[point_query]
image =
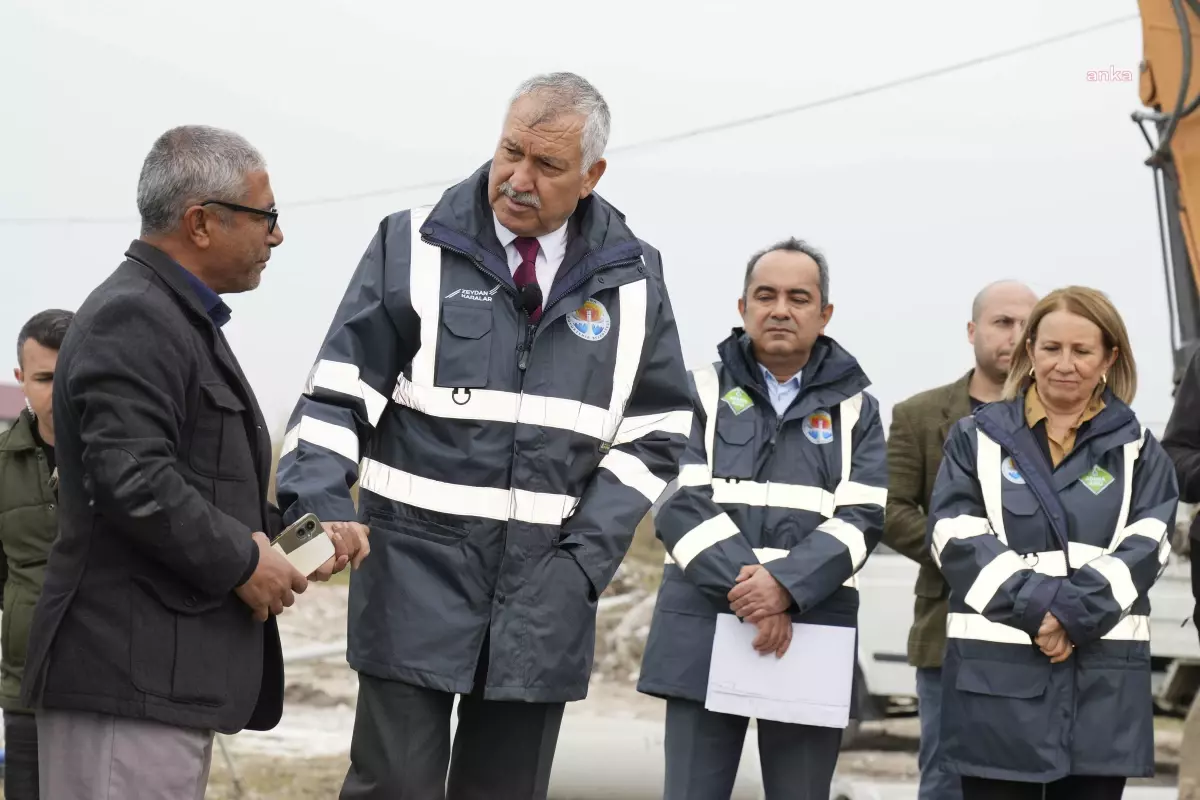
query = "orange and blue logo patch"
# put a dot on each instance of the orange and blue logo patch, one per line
(818, 427)
(590, 321)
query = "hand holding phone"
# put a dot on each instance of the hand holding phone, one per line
(305, 544)
(350, 545)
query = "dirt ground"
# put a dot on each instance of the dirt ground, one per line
(306, 757)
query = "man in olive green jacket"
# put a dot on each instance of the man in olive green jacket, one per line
(28, 526)
(918, 433)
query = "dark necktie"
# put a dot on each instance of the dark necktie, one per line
(527, 273)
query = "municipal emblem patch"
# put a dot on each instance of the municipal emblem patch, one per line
(590, 321)
(818, 427)
(1011, 473)
(1097, 480)
(737, 399)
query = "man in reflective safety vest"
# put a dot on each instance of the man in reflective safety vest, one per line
(503, 380)
(779, 501)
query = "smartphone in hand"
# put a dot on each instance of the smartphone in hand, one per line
(305, 544)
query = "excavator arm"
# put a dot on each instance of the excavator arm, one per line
(1170, 85)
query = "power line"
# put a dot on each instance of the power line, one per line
(739, 122)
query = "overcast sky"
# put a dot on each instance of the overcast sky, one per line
(1019, 168)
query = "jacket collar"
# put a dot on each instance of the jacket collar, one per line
(829, 364)
(19, 437)
(597, 235)
(1004, 419)
(171, 272)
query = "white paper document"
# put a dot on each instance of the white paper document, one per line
(810, 685)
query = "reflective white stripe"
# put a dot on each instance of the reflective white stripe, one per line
(630, 471)
(472, 501)
(988, 469)
(848, 535)
(1131, 451)
(765, 554)
(1135, 628)
(964, 526)
(702, 537)
(424, 289)
(492, 405)
(708, 386)
(694, 475)
(850, 408)
(795, 496)
(992, 577)
(1149, 527)
(633, 428)
(343, 378)
(768, 554)
(980, 628)
(342, 441)
(1116, 572)
(1053, 564)
(850, 493)
(773, 495)
(631, 338)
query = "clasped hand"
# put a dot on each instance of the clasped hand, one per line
(1052, 639)
(760, 599)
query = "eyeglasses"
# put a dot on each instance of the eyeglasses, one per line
(271, 215)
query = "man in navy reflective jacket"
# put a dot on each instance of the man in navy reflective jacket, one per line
(779, 501)
(503, 380)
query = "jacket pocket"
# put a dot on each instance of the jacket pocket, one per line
(464, 350)
(428, 530)
(734, 456)
(1114, 709)
(16, 624)
(179, 644)
(219, 446)
(1005, 715)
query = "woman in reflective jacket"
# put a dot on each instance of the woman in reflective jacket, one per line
(1049, 520)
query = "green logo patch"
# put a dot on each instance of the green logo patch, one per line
(1097, 480)
(738, 400)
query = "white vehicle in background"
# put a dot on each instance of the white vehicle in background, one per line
(886, 684)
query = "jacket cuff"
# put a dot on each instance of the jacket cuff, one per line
(1069, 610)
(1035, 600)
(250, 568)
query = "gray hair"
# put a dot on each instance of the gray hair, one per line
(794, 245)
(567, 93)
(188, 165)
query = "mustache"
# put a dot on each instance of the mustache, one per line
(524, 198)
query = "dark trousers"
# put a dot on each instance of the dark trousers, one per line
(401, 744)
(20, 756)
(703, 749)
(1074, 787)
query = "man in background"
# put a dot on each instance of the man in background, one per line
(917, 435)
(28, 526)
(156, 623)
(1181, 440)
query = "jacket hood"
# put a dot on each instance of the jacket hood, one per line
(466, 210)
(828, 364)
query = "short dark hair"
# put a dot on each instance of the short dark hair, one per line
(794, 245)
(47, 328)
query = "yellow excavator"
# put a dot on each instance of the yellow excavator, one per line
(1169, 89)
